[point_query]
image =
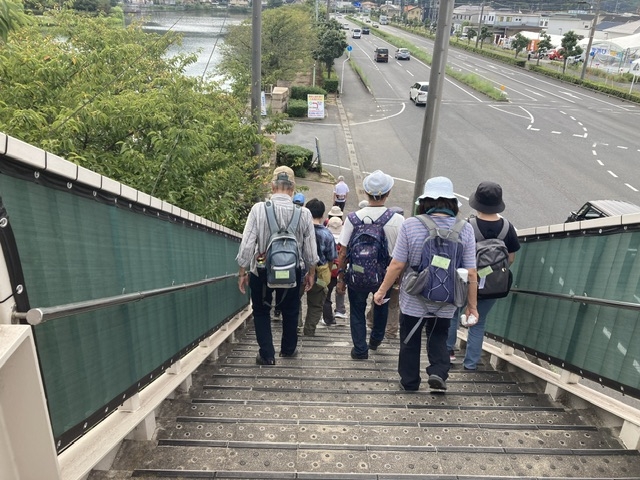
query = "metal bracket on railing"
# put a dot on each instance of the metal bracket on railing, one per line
(35, 316)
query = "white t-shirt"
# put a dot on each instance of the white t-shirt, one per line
(340, 190)
(391, 228)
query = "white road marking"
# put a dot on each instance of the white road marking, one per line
(632, 188)
(594, 152)
(600, 162)
(623, 148)
(612, 174)
(336, 166)
(556, 133)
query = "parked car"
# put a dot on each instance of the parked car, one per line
(402, 54)
(418, 93)
(381, 55)
(555, 54)
(602, 208)
(575, 59)
(356, 33)
(365, 30)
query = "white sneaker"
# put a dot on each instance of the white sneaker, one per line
(340, 315)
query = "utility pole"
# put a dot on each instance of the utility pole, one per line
(592, 33)
(480, 24)
(434, 98)
(256, 70)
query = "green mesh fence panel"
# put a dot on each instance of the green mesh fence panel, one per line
(601, 342)
(79, 247)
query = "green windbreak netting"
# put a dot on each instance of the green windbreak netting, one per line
(80, 247)
(601, 340)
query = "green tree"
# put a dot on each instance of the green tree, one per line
(108, 99)
(544, 45)
(12, 17)
(287, 39)
(471, 33)
(93, 6)
(570, 47)
(519, 43)
(331, 45)
(485, 34)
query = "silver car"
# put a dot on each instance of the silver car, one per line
(418, 93)
(403, 54)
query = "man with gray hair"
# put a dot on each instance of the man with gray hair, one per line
(252, 258)
(340, 192)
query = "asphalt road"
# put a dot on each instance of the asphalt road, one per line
(552, 146)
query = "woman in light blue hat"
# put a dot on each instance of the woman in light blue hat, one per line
(440, 203)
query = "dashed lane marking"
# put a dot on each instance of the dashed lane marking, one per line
(612, 174)
(632, 188)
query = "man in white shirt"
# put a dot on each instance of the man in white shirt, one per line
(340, 192)
(252, 273)
(377, 187)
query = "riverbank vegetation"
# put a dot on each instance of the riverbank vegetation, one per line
(108, 99)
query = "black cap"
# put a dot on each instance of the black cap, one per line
(487, 198)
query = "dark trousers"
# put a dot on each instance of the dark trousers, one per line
(261, 297)
(437, 330)
(358, 323)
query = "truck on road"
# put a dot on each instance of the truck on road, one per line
(384, 20)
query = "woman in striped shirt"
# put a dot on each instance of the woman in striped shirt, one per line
(440, 203)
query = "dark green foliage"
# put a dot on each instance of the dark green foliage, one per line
(598, 87)
(519, 43)
(296, 157)
(331, 45)
(297, 108)
(331, 85)
(301, 92)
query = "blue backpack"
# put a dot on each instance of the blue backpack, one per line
(367, 253)
(436, 279)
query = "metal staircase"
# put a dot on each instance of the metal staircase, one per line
(323, 415)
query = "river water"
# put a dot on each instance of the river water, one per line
(202, 33)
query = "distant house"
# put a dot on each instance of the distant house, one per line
(413, 14)
(389, 10)
(368, 6)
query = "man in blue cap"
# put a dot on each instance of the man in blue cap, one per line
(298, 199)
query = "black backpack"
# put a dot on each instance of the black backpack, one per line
(282, 257)
(492, 259)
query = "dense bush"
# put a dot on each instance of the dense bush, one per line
(598, 87)
(331, 85)
(297, 108)
(296, 157)
(301, 92)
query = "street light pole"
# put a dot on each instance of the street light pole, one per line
(256, 70)
(480, 24)
(592, 32)
(434, 98)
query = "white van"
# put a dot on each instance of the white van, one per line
(356, 33)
